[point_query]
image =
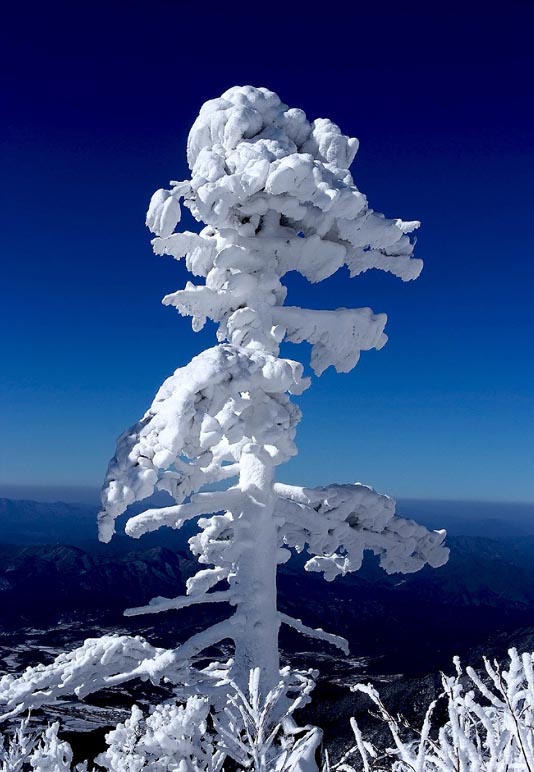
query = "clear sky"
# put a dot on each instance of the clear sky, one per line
(98, 100)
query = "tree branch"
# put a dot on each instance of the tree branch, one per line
(174, 660)
(311, 632)
(167, 604)
(176, 515)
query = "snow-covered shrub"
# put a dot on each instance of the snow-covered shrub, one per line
(260, 734)
(252, 731)
(489, 726)
(255, 733)
(41, 752)
(16, 750)
(51, 754)
(171, 737)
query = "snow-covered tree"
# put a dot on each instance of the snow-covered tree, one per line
(275, 193)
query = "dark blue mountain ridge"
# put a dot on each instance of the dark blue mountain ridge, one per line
(24, 521)
(52, 569)
(58, 586)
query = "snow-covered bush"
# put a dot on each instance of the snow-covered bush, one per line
(257, 735)
(16, 751)
(171, 737)
(489, 726)
(41, 752)
(252, 731)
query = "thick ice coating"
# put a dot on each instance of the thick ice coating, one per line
(199, 422)
(338, 523)
(276, 195)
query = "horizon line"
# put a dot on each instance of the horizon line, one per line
(87, 495)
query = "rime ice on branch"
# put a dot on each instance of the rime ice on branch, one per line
(275, 194)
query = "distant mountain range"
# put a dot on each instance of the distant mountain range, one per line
(25, 522)
(58, 585)
(33, 522)
(53, 569)
(43, 583)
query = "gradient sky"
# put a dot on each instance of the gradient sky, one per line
(98, 102)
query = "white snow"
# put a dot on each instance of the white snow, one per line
(338, 523)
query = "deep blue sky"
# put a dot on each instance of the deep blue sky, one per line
(98, 102)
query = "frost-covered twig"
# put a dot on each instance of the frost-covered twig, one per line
(26, 750)
(489, 726)
(256, 732)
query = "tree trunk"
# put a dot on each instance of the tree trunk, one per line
(256, 619)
